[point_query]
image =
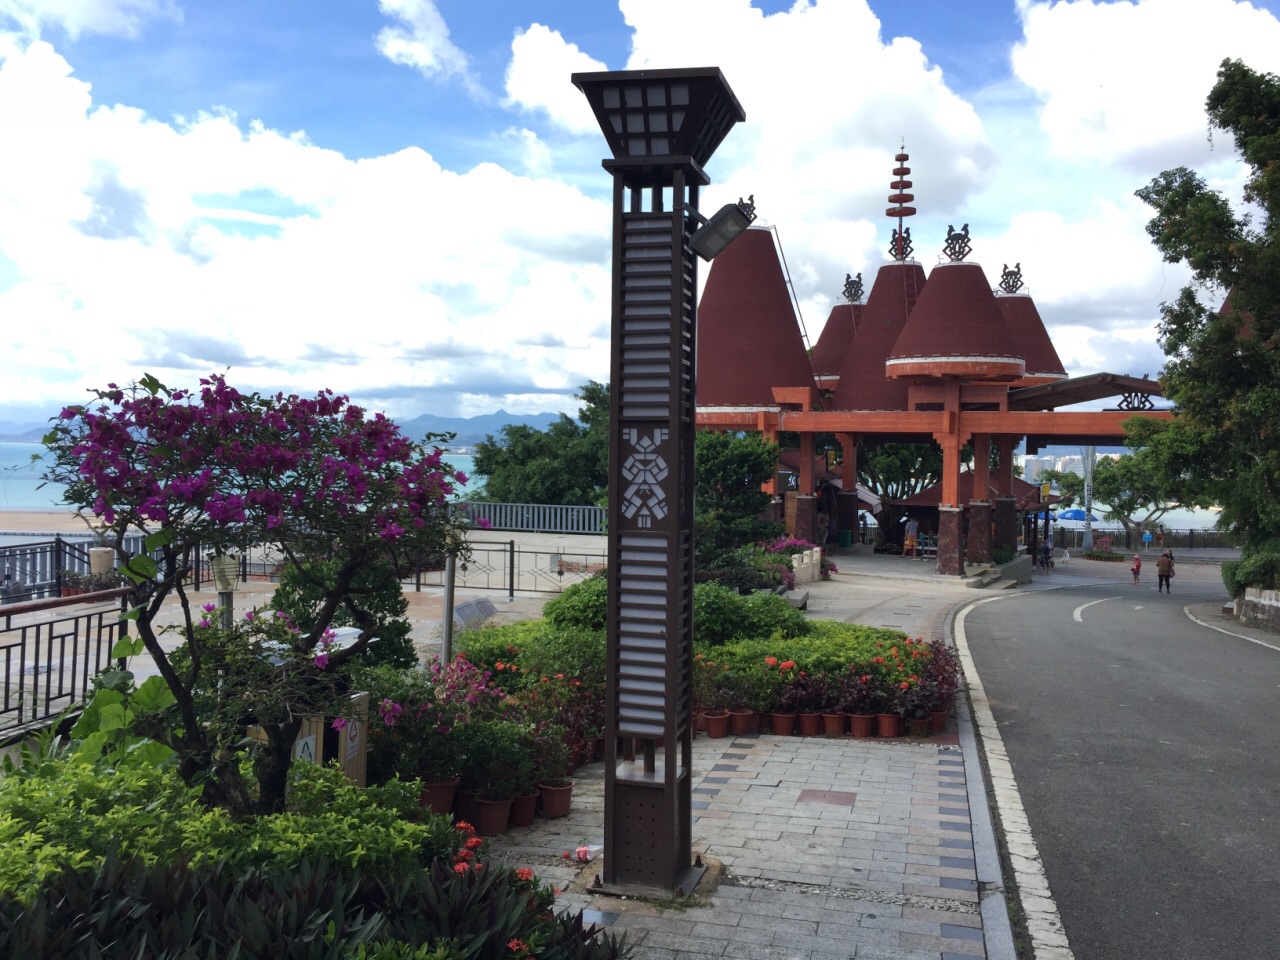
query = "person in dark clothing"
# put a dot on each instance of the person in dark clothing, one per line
(1164, 572)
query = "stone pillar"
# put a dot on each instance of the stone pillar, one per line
(1005, 515)
(802, 516)
(979, 548)
(950, 536)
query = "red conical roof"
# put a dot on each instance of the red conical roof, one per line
(833, 344)
(955, 330)
(1030, 339)
(749, 339)
(863, 385)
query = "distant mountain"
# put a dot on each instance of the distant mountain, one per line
(13, 432)
(471, 430)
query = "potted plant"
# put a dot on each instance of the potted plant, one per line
(497, 761)
(805, 695)
(551, 762)
(914, 701)
(711, 695)
(861, 698)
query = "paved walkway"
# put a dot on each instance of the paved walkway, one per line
(831, 848)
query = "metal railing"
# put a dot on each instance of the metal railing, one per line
(39, 570)
(503, 566)
(1073, 539)
(49, 658)
(535, 517)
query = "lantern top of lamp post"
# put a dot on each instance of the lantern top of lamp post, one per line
(648, 115)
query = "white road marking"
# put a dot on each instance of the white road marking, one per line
(1044, 925)
(1075, 614)
(1238, 636)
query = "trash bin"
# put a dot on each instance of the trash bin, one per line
(846, 538)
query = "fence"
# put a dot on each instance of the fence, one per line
(49, 661)
(1073, 539)
(40, 569)
(503, 566)
(534, 517)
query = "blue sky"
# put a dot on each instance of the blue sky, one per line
(402, 199)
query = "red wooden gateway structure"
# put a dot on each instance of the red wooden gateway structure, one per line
(946, 359)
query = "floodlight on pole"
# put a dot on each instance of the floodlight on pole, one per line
(722, 228)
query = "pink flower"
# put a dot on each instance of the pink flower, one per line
(322, 661)
(339, 723)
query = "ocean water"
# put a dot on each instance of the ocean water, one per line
(21, 487)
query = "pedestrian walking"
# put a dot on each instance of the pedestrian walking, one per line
(1136, 569)
(1164, 572)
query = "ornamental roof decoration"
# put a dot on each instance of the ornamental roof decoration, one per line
(1011, 280)
(852, 288)
(957, 245)
(900, 248)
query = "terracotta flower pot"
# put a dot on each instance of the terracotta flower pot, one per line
(699, 721)
(742, 722)
(810, 724)
(938, 721)
(782, 724)
(887, 724)
(862, 724)
(918, 727)
(555, 800)
(491, 817)
(437, 795)
(717, 724)
(833, 724)
(523, 809)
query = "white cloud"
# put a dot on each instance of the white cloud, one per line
(538, 78)
(181, 248)
(421, 40)
(1127, 80)
(116, 17)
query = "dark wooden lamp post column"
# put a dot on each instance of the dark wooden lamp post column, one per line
(662, 126)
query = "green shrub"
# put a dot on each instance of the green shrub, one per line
(314, 910)
(1002, 553)
(486, 647)
(721, 615)
(583, 606)
(70, 810)
(1259, 567)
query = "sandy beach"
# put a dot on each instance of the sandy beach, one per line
(41, 521)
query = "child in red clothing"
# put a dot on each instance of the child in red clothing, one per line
(1136, 568)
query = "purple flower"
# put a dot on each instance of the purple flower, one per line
(203, 623)
(322, 660)
(339, 723)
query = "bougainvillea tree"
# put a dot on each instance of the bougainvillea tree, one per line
(215, 470)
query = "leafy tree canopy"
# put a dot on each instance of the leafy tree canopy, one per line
(729, 469)
(566, 463)
(1136, 488)
(1223, 367)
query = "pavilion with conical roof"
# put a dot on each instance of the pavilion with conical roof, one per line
(943, 359)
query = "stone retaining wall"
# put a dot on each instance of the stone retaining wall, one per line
(1261, 607)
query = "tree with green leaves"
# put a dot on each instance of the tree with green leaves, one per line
(1223, 367)
(729, 470)
(1136, 489)
(896, 471)
(568, 463)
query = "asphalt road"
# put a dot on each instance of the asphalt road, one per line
(1146, 749)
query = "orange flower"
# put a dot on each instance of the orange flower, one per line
(474, 843)
(459, 868)
(904, 685)
(463, 827)
(500, 665)
(786, 665)
(771, 661)
(877, 659)
(524, 873)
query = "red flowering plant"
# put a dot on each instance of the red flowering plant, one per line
(214, 470)
(709, 690)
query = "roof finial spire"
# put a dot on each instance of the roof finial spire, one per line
(900, 248)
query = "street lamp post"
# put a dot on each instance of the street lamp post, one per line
(661, 126)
